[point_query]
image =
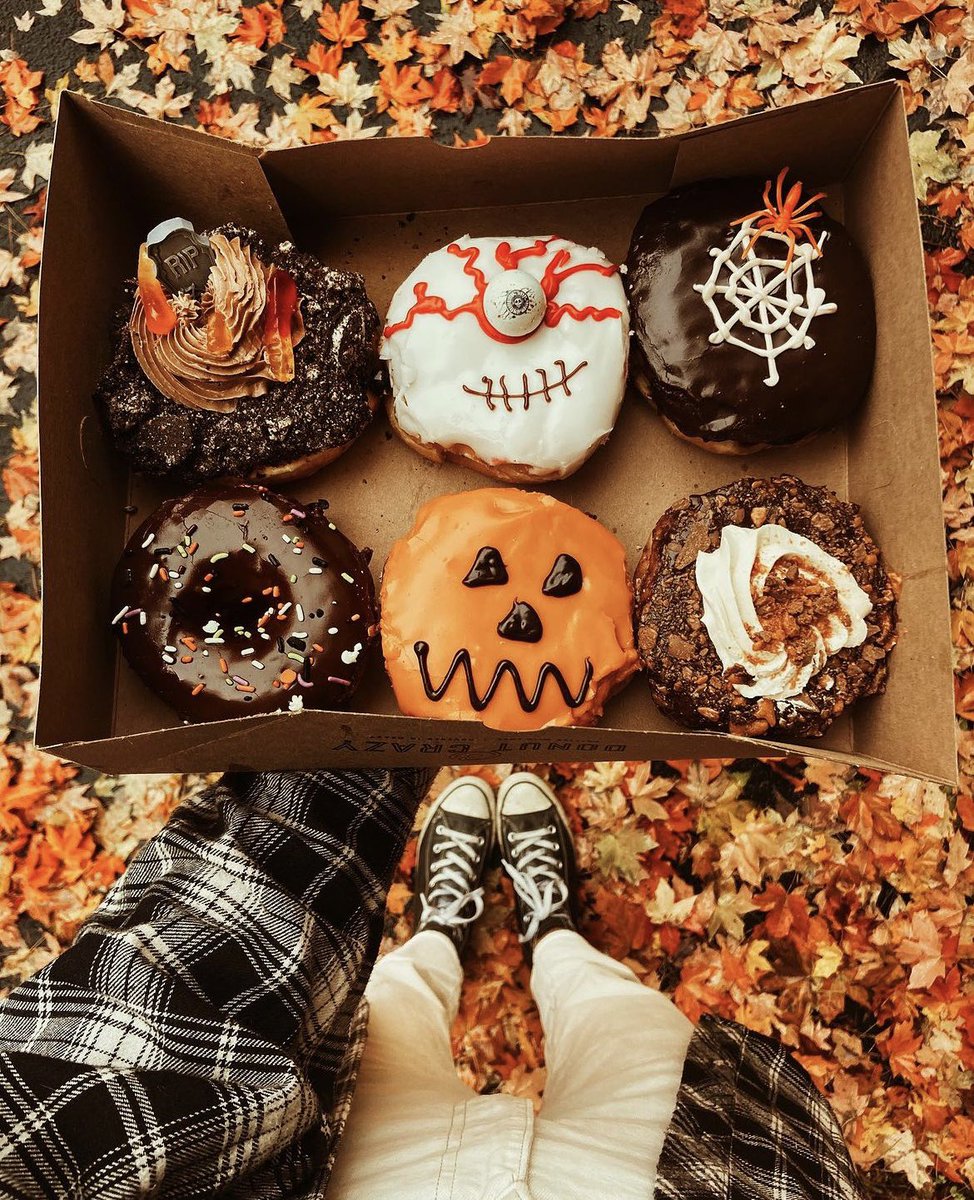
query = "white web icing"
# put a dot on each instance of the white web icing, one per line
(759, 293)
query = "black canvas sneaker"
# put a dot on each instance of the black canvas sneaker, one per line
(455, 844)
(538, 854)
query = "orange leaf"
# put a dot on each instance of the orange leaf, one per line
(344, 27)
(402, 87)
(321, 60)
(252, 30)
(446, 91)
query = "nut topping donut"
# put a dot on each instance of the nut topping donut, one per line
(508, 355)
(507, 607)
(233, 600)
(763, 608)
(237, 358)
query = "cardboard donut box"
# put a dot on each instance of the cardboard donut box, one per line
(377, 207)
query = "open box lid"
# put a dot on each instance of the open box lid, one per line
(115, 173)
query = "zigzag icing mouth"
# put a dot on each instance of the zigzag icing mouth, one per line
(461, 662)
(504, 393)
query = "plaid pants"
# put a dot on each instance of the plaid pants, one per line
(202, 1036)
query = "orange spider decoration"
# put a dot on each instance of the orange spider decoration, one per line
(784, 215)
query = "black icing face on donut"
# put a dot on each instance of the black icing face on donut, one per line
(520, 624)
(507, 606)
(514, 347)
(234, 600)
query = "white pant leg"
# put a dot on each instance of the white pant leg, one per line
(402, 1114)
(615, 1051)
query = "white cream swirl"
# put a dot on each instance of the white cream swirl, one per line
(732, 582)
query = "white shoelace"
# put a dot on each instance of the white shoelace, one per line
(448, 893)
(537, 876)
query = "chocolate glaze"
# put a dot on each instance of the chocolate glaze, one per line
(326, 405)
(333, 590)
(717, 392)
(461, 662)
(488, 569)
(564, 578)
(522, 624)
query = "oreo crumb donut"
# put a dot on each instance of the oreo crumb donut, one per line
(237, 358)
(233, 600)
(507, 607)
(763, 607)
(753, 317)
(508, 355)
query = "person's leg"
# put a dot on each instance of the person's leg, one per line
(401, 1128)
(413, 997)
(614, 1048)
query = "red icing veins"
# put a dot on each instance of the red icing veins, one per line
(509, 259)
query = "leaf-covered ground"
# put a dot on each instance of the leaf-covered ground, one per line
(830, 907)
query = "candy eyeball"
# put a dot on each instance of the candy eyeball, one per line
(514, 303)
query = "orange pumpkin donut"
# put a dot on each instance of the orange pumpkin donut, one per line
(507, 607)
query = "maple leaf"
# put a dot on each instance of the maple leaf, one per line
(105, 20)
(346, 88)
(383, 9)
(931, 161)
(618, 853)
(664, 908)
(321, 60)
(453, 31)
(284, 75)
(402, 87)
(309, 116)
(344, 27)
(447, 92)
(253, 27)
(6, 192)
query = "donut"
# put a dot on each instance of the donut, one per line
(753, 317)
(235, 358)
(233, 600)
(508, 355)
(763, 608)
(509, 608)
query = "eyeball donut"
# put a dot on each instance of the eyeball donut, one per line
(508, 355)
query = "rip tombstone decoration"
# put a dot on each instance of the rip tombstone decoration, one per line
(377, 207)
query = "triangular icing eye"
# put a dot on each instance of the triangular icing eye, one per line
(488, 569)
(564, 578)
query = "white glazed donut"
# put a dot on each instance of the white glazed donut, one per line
(508, 354)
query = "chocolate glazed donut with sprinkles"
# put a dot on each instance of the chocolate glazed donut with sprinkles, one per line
(234, 600)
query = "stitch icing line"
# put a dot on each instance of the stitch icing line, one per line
(768, 305)
(525, 396)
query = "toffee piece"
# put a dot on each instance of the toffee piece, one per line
(234, 600)
(753, 317)
(507, 607)
(763, 608)
(237, 358)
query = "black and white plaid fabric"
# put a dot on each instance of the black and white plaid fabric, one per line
(201, 1037)
(750, 1125)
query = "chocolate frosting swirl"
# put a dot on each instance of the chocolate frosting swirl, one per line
(216, 352)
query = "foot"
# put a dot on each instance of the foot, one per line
(538, 854)
(454, 845)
